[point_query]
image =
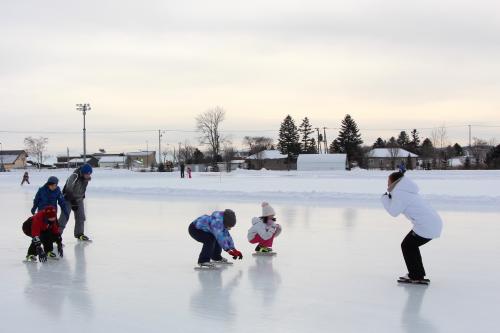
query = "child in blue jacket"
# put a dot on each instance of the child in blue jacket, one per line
(213, 232)
(49, 195)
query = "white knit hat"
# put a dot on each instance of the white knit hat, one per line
(267, 210)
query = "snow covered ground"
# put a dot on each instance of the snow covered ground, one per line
(338, 257)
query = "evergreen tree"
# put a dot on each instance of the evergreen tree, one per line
(493, 158)
(403, 140)
(392, 143)
(414, 144)
(288, 142)
(427, 148)
(380, 143)
(335, 147)
(198, 156)
(307, 142)
(349, 140)
(458, 150)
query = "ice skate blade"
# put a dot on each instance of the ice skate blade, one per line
(410, 282)
(200, 268)
(264, 254)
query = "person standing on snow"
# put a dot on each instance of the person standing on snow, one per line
(264, 229)
(213, 232)
(26, 178)
(189, 172)
(74, 194)
(49, 195)
(402, 197)
(44, 230)
(182, 166)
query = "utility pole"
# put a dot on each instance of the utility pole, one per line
(159, 146)
(470, 136)
(147, 154)
(319, 144)
(324, 139)
(84, 108)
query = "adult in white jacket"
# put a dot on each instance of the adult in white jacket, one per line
(402, 197)
(264, 229)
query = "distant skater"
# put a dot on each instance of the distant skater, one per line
(182, 166)
(26, 178)
(264, 229)
(189, 172)
(213, 232)
(402, 197)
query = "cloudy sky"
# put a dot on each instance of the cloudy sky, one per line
(157, 64)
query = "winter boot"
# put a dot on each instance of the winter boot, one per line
(52, 255)
(263, 249)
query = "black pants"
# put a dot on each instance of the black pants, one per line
(182, 173)
(211, 249)
(47, 238)
(411, 253)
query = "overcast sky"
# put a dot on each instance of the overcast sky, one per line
(157, 64)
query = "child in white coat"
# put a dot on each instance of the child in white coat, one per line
(264, 229)
(402, 197)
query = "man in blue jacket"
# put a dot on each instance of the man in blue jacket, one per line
(49, 195)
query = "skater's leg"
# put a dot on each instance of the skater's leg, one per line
(412, 256)
(80, 220)
(262, 242)
(208, 241)
(217, 251)
(63, 219)
(47, 240)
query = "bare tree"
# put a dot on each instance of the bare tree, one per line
(208, 124)
(36, 147)
(228, 156)
(479, 150)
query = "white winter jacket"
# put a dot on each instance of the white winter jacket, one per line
(406, 200)
(265, 231)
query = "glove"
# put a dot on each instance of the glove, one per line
(42, 256)
(235, 254)
(60, 246)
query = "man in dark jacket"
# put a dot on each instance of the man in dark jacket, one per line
(74, 194)
(49, 195)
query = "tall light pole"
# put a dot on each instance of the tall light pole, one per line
(84, 108)
(2, 168)
(324, 140)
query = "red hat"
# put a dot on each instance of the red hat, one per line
(50, 212)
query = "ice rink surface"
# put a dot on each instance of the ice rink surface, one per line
(335, 271)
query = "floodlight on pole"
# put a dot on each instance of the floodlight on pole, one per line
(84, 108)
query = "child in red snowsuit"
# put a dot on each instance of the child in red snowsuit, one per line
(264, 229)
(44, 230)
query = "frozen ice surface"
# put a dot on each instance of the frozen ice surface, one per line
(336, 269)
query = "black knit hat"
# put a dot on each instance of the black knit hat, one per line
(229, 218)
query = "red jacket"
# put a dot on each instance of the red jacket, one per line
(40, 223)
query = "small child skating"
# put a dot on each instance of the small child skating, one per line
(189, 172)
(26, 178)
(213, 232)
(44, 231)
(49, 195)
(264, 230)
(402, 197)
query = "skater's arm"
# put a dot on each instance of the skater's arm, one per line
(70, 187)
(36, 201)
(62, 204)
(221, 234)
(394, 205)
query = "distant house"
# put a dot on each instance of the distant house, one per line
(118, 161)
(321, 162)
(270, 160)
(75, 161)
(390, 158)
(13, 159)
(141, 159)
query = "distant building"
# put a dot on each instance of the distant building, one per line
(321, 162)
(118, 161)
(270, 160)
(13, 159)
(72, 161)
(390, 158)
(141, 159)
